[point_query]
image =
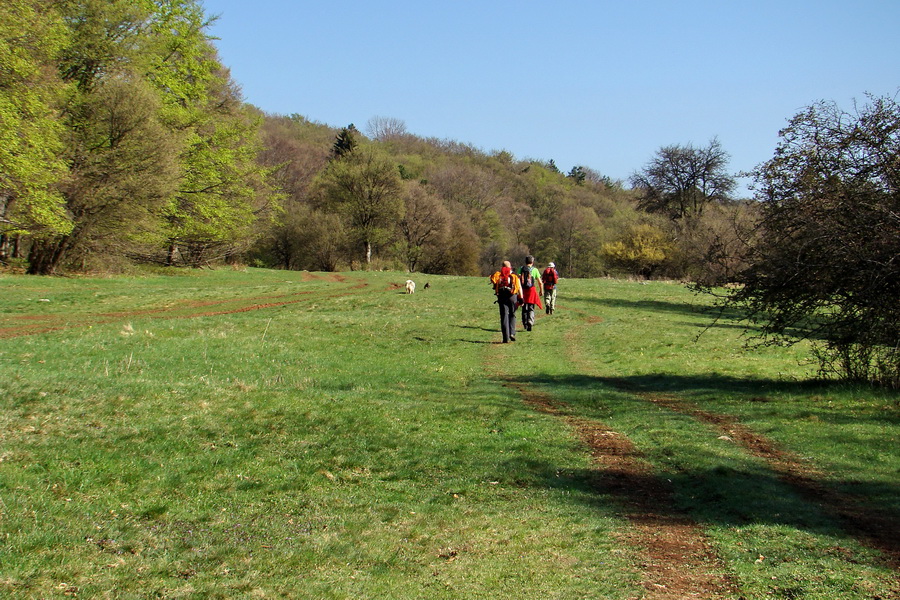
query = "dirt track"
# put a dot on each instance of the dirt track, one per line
(186, 309)
(679, 560)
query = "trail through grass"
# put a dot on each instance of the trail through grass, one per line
(268, 434)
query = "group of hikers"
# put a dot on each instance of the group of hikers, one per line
(522, 289)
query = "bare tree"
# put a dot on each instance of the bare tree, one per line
(426, 220)
(385, 128)
(681, 180)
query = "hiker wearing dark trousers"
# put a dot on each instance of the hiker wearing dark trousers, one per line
(531, 291)
(550, 277)
(507, 289)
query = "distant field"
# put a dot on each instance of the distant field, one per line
(269, 434)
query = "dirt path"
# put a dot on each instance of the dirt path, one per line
(184, 309)
(869, 526)
(678, 561)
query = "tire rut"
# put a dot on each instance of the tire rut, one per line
(677, 559)
(871, 527)
(39, 324)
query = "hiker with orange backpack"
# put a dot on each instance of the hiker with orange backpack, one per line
(507, 289)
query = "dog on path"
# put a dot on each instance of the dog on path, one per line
(410, 286)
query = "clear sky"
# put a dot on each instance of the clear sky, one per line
(598, 83)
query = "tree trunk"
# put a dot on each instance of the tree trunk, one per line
(45, 256)
(171, 254)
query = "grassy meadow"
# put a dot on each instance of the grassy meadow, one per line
(268, 434)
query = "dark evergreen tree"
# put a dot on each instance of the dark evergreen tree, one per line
(578, 175)
(345, 142)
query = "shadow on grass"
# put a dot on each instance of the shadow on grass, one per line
(732, 496)
(714, 317)
(684, 308)
(739, 389)
(689, 384)
(492, 330)
(724, 497)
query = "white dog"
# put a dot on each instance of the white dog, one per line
(410, 286)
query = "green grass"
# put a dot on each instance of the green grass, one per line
(266, 434)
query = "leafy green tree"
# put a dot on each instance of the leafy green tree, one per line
(364, 187)
(119, 153)
(826, 265)
(105, 38)
(681, 180)
(160, 150)
(122, 172)
(223, 189)
(32, 34)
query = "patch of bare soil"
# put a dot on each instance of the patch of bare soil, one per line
(38, 324)
(335, 277)
(679, 562)
(870, 526)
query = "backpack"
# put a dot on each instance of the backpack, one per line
(505, 283)
(549, 278)
(527, 277)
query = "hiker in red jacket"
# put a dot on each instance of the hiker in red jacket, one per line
(550, 277)
(531, 296)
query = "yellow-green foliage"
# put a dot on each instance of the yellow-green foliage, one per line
(30, 131)
(642, 249)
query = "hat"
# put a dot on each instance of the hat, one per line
(552, 266)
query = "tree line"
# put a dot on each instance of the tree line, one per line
(390, 199)
(124, 139)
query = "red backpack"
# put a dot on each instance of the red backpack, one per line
(549, 277)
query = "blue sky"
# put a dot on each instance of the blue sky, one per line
(603, 84)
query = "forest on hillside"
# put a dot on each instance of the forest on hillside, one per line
(124, 140)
